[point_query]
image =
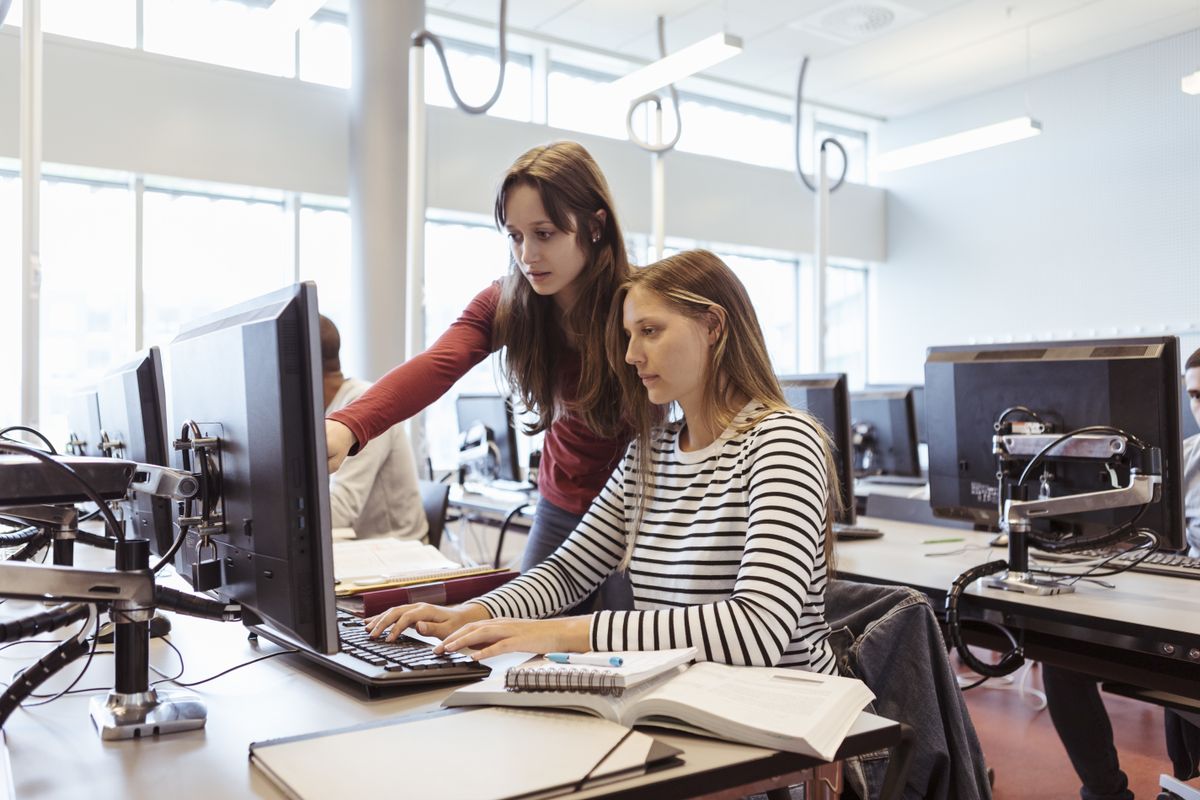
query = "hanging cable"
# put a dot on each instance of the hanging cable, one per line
(114, 528)
(32, 431)
(421, 37)
(660, 147)
(796, 138)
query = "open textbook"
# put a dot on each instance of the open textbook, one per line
(775, 707)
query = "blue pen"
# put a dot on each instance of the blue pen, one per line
(586, 659)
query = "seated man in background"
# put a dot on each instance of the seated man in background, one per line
(375, 491)
(1183, 736)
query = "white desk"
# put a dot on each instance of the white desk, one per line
(56, 753)
(1145, 631)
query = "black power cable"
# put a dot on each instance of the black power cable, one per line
(26, 429)
(1012, 660)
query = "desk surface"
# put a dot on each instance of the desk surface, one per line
(1142, 614)
(55, 751)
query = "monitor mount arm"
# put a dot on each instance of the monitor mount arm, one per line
(1017, 515)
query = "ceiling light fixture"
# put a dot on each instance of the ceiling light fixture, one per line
(1191, 83)
(956, 144)
(677, 66)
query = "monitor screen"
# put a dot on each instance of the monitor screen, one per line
(885, 425)
(1130, 384)
(495, 413)
(827, 399)
(251, 375)
(133, 426)
(83, 424)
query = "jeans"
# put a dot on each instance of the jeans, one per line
(551, 526)
(1082, 723)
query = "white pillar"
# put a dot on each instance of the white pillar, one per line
(821, 251)
(379, 45)
(31, 186)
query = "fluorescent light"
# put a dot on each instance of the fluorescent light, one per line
(289, 15)
(1191, 83)
(956, 144)
(677, 66)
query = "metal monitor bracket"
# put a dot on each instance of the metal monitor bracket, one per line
(1017, 517)
(132, 709)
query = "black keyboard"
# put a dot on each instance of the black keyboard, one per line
(375, 664)
(405, 655)
(1160, 562)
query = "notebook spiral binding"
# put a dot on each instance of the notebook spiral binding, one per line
(563, 679)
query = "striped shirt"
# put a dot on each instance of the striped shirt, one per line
(729, 558)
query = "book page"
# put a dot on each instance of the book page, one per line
(377, 560)
(788, 709)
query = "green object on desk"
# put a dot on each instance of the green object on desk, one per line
(947, 540)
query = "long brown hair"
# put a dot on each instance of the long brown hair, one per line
(698, 284)
(572, 190)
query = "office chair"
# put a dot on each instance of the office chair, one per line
(435, 499)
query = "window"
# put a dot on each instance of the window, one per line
(325, 259)
(87, 253)
(325, 50)
(10, 287)
(773, 286)
(225, 32)
(846, 323)
(205, 252)
(576, 102)
(474, 70)
(736, 132)
(461, 259)
(108, 21)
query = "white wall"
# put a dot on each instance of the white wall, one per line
(1091, 229)
(116, 108)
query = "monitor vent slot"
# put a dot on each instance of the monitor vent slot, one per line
(1121, 351)
(1010, 355)
(289, 346)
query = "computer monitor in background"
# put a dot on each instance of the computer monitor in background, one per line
(918, 400)
(885, 426)
(495, 413)
(827, 399)
(83, 424)
(251, 375)
(1130, 384)
(133, 426)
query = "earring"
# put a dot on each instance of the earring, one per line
(595, 238)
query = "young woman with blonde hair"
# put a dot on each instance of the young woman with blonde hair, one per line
(547, 314)
(722, 517)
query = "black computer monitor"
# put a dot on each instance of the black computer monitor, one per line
(827, 398)
(918, 400)
(1131, 384)
(83, 424)
(251, 375)
(495, 412)
(133, 426)
(885, 425)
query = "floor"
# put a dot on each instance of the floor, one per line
(1020, 744)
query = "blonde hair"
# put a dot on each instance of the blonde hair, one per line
(699, 285)
(576, 196)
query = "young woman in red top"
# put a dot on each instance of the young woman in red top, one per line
(548, 313)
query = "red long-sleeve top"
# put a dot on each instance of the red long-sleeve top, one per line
(575, 461)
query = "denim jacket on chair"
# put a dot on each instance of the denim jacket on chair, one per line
(889, 638)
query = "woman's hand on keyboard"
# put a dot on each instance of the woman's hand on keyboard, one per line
(491, 637)
(431, 620)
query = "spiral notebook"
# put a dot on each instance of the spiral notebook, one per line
(541, 675)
